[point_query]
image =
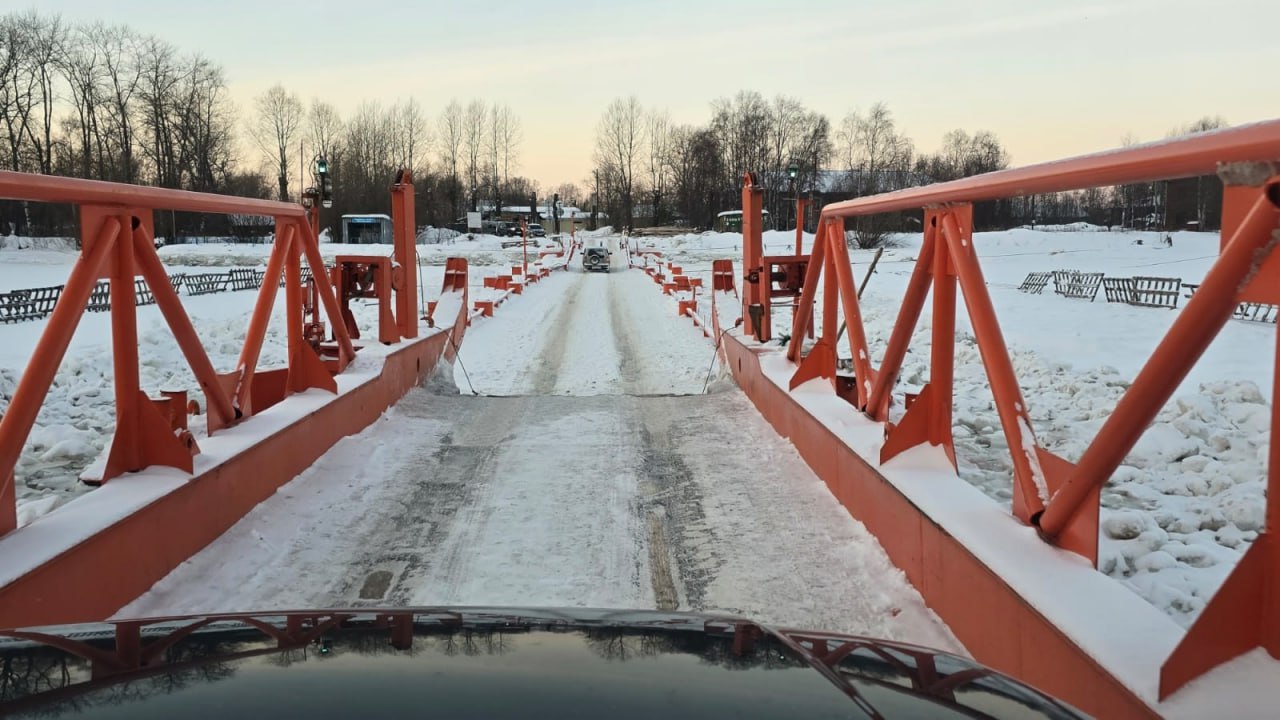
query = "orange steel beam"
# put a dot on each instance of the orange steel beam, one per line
(755, 291)
(801, 203)
(406, 253)
(830, 295)
(49, 188)
(124, 454)
(942, 355)
(1199, 154)
(804, 313)
(293, 302)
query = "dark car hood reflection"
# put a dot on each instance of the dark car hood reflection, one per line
(488, 663)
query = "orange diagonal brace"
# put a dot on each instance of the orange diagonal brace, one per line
(1028, 477)
(804, 313)
(328, 298)
(183, 331)
(1206, 312)
(839, 253)
(21, 413)
(261, 318)
(900, 338)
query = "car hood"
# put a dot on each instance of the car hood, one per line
(489, 663)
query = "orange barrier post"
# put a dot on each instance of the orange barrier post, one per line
(404, 228)
(755, 301)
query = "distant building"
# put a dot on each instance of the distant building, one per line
(731, 221)
(366, 229)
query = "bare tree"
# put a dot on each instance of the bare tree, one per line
(206, 126)
(742, 129)
(16, 92)
(81, 67)
(657, 160)
(619, 139)
(450, 131)
(324, 126)
(411, 136)
(508, 136)
(473, 136)
(279, 116)
(118, 48)
(160, 78)
(45, 40)
(877, 152)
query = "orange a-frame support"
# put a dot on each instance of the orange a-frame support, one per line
(91, 578)
(1056, 496)
(116, 244)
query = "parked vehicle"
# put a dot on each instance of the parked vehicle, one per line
(596, 259)
(535, 230)
(500, 228)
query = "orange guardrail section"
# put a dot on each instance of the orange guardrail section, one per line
(56, 579)
(116, 235)
(1057, 496)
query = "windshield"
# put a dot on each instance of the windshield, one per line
(949, 330)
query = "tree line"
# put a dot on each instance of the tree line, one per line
(105, 102)
(651, 171)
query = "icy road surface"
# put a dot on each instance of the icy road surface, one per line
(595, 480)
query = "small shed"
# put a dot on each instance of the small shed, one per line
(366, 229)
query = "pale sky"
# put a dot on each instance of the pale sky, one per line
(1050, 78)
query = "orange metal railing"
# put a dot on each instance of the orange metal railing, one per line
(116, 233)
(1061, 498)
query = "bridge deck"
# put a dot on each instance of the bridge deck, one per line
(588, 483)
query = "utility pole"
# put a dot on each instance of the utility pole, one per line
(595, 199)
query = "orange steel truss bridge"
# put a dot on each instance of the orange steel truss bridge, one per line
(1019, 589)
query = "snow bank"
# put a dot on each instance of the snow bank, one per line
(18, 242)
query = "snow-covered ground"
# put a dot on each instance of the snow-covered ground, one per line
(583, 484)
(1189, 499)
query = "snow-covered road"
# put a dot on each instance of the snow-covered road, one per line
(588, 472)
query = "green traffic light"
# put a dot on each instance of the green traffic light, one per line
(322, 166)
